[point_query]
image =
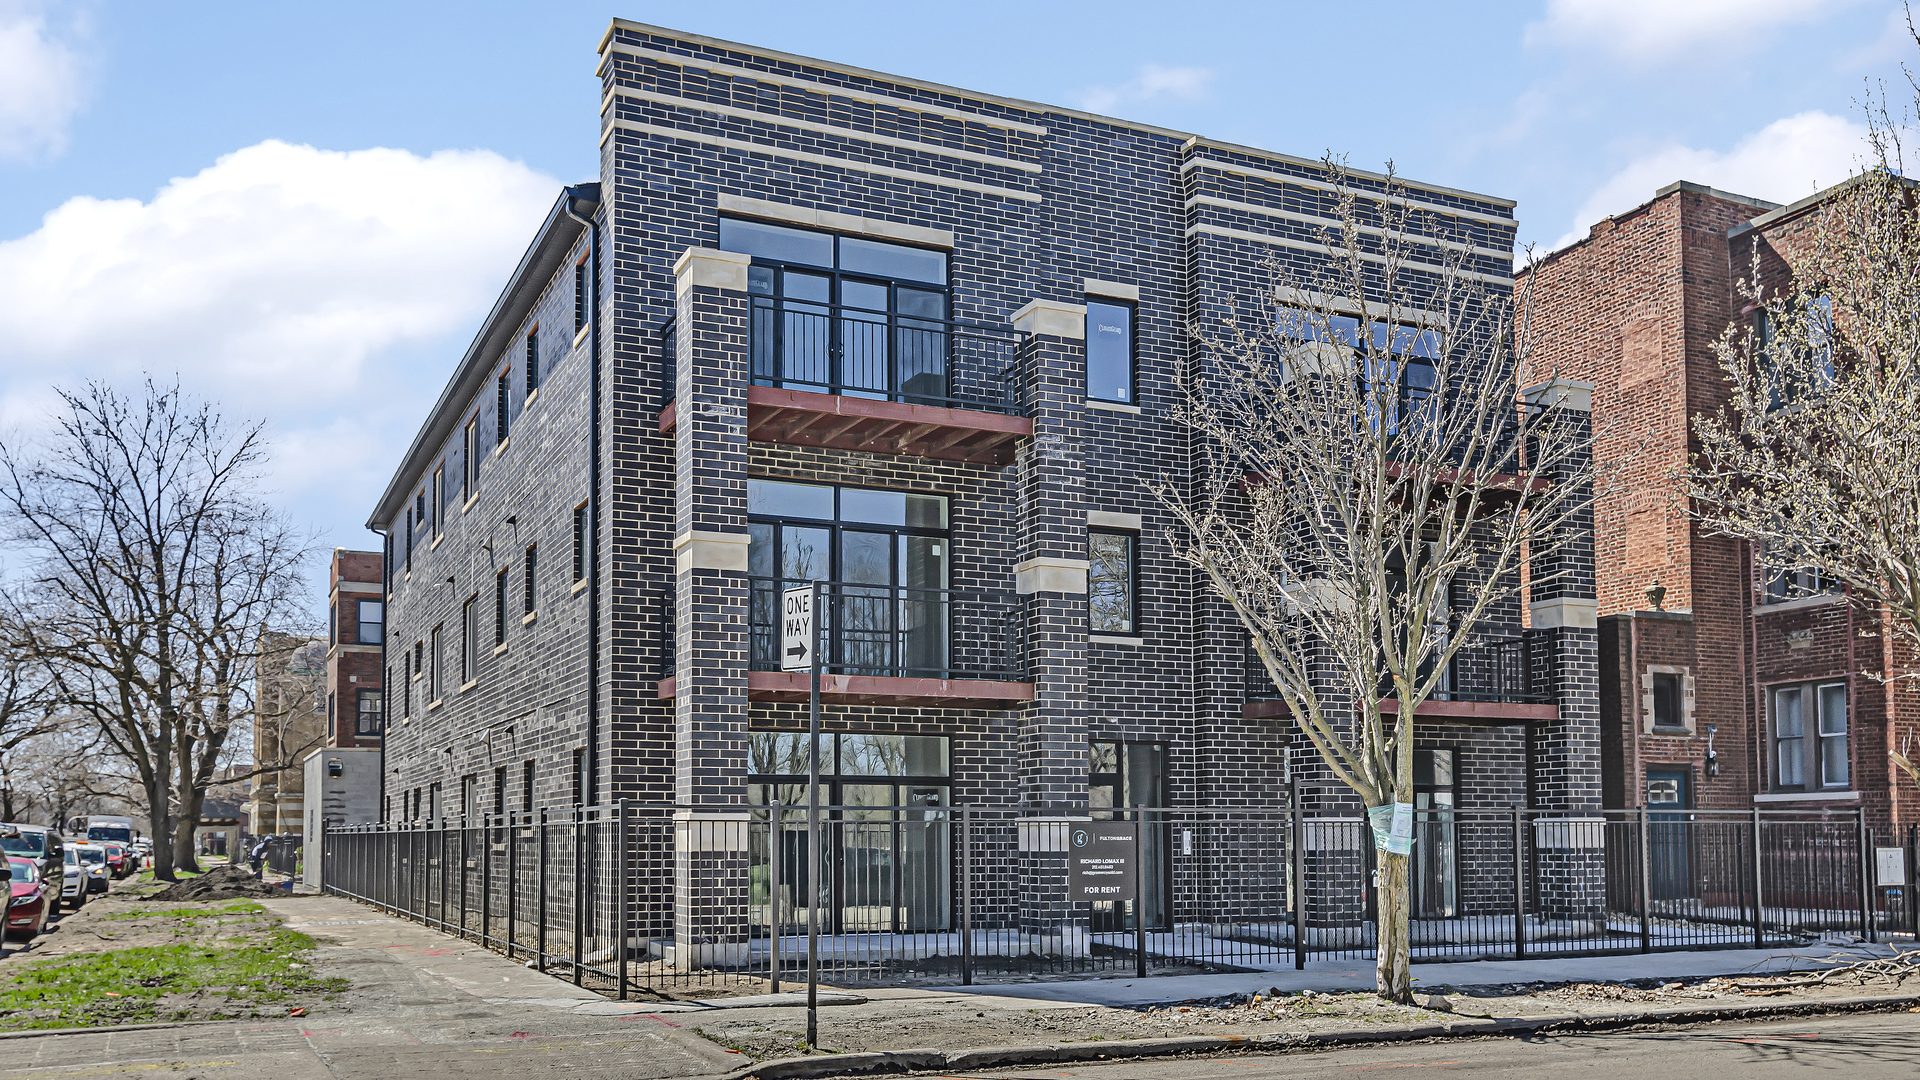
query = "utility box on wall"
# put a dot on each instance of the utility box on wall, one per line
(343, 788)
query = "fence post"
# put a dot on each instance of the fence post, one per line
(1759, 896)
(774, 851)
(1864, 837)
(620, 897)
(1912, 889)
(486, 881)
(579, 885)
(1139, 896)
(540, 912)
(966, 897)
(445, 873)
(513, 877)
(1646, 885)
(1299, 882)
(1519, 884)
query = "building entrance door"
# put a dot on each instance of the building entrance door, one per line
(1669, 795)
(1134, 775)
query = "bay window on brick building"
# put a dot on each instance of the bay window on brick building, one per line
(918, 343)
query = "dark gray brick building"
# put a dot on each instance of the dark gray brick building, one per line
(820, 322)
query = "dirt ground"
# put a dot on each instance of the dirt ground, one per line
(966, 1021)
(121, 920)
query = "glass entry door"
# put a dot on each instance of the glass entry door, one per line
(1436, 886)
(1133, 775)
(1670, 871)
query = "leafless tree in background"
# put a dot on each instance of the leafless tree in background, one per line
(1817, 458)
(154, 567)
(1345, 490)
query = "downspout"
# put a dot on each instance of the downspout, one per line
(386, 609)
(593, 493)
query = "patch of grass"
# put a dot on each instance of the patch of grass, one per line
(245, 907)
(163, 983)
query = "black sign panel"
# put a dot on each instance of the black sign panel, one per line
(1100, 860)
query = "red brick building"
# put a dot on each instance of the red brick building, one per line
(1724, 683)
(356, 705)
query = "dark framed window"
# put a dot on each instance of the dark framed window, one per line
(1112, 579)
(439, 497)
(500, 607)
(1783, 584)
(470, 474)
(842, 314)
(580, 542)
(330, 712)
(526, 786)
(1809, 735)
(470, 796)
(580, 304)
(1396, 366)
(501, 406)
(499, 790)
(470, 639)
(1435, 868)
(582, 783)
(370, 615)
(533, 359)
(434, 665)
(1669, 700)
(410, 521)
(1110, 351)
(529, 590)
(369, 712)
(888, 550)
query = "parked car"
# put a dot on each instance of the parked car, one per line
(36, 842)
(32, 900)
(119, 863)
(73, 880)
(93, 860)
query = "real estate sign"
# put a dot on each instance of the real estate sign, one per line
(1100, 860)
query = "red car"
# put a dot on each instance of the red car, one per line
(27, 911)
(117, 862)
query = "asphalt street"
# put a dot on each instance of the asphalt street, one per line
(1865, 1047)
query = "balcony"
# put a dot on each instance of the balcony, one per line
(882, 382)
(1493, 680)
(886, 645)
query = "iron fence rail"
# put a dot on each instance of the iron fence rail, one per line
(625, 897)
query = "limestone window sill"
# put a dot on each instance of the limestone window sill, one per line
(1116, 639)
(435, 546)
(581, 584)
(472, 501)
(528, 618)
(434, 704)
(1807, 796)
(468, 685)
(582, 335)
(1113, 406)
(501, 446)
(500, 648)
(533, 395)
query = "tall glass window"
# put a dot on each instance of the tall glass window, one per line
(1110, 582)
(1810, 736)
(1110, 351)
(844, 315)
(887, 550)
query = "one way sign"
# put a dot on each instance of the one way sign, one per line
(796, 629)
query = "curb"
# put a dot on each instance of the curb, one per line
(902, 1061)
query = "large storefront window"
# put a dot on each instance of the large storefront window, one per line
(889, 552)
(887, 863)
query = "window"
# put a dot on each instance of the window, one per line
(1666, 699)
(433, 673)
(420, 508)
(410, 520)
(501, 406)
(1110, 582)
(840, 314)
(526, 786)
(371, 614)
(530, 593)
(1110, 351)
(1783, 584)
(434, 809)
(1812, 340)
(419, 648)
(891, 542)
(500, 607)
(1810, 736)
(533, 360)
(470, 475)
(439, 497)
(369, 712)
(499, 791)
(469, 796)
(1397, 363)
(470, 640)
(581, 785)
(1435, 880)
(330, 712)
(580, 542)
(579, 296)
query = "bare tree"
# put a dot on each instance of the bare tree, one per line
(65, 772)
(1816, 459)
(155, 565)
(1366, 449)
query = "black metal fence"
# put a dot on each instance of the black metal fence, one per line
(931, 895)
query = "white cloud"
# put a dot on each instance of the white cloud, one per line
(40, 85)
(1151, 83)
(1789, 159)
(1659, 29)
(274, 281)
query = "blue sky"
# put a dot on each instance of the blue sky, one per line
(304, 210)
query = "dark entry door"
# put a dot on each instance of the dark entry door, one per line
(1669, 796)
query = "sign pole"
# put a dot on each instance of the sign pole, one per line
(813, 827)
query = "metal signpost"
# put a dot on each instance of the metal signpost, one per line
(800, 651)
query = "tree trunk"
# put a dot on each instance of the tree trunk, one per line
(184, 855)
(1393, 975)
(162, 832)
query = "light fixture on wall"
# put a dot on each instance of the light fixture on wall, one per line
(1713, 759)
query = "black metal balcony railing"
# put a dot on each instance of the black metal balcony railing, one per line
(1511, 670)
(887, 631)
(880, 355)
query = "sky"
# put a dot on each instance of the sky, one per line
(303, 211)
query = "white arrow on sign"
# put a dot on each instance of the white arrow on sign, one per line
(796, 629)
